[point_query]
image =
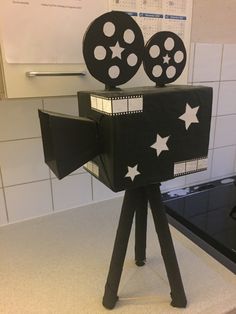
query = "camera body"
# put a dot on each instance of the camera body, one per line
(148, 134)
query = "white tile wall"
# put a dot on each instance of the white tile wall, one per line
(215, 86)
(3, 215)
(72, 191)
(207, 62)
(212, 132)
(223, 162)
(173, 184)
(225, 131)
(66, 105)
(191, 62)
(227, 99)
(202, 176)
(28, 200)
(31, 190)
(215, 65)
(101, 192)
(19, 119)
(229, 63)
(77, 171)
(22, 161)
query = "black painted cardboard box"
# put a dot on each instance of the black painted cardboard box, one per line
(148, 134)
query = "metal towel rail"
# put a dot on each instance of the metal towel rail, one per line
(34, 73)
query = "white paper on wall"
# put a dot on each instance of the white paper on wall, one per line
(46, 31)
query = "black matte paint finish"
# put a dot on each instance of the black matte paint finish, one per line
(68, 141)
(95, 37)
(126, 139)
(135, 204)
(158, 41)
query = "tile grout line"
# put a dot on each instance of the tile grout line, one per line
(221, 61)
(92, 192)
(51, 188)
(234, 161)
(43, 104)
(21, 139)
(219, 147)
(70, 175)
(218, 95)
(225, 115)
(40, 180)
(211, 163)
(25, 183)
(194, 53)
(4, 196)
(211, 81)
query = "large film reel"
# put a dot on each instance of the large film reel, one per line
(113, 48)
(164, 57)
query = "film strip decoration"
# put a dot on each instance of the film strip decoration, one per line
(92, 167)
(190, 166)
(117, 105)
(180, 168)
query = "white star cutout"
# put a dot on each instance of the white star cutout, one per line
(166, 59)
(160, 144)
(190, 116)
(116, 50)
(132, 172)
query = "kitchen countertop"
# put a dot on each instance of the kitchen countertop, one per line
(58, 264)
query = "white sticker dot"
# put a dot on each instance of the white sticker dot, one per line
(114, 71)
(129, 36)
(100, 53)
(170, 72)
(179, 56)
(154, 51)
(132, 59)
(157, 70)
(169, 43)
(109, 29)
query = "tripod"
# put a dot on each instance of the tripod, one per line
(136, 202)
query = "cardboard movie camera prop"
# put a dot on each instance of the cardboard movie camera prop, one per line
(131, 137)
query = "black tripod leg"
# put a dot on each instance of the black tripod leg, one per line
(141, 228)
(120, 246)
(167, 247)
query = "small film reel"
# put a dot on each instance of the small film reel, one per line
(113, 48)
(164, 57)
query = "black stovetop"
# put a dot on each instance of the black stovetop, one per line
(209, 212)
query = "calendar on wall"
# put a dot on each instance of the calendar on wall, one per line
(158, 15)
